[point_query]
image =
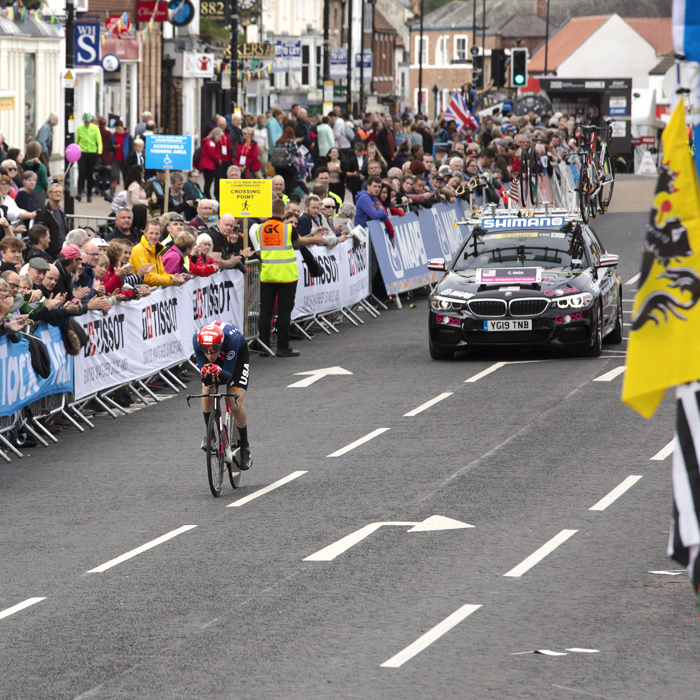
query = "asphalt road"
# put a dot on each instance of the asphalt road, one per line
(231, 608)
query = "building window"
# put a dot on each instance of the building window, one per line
(424, 52)
(305, 61)
(368, 17)
(319, 66)
(439, 59)
(461, 47)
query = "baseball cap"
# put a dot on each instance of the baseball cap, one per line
(445, 170)
(175, 217)
(40, 264)
(507, 127)
(100, 242)
(71, 252)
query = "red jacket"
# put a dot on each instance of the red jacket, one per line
(202, 266)
(251, 153)
(210, 154)
(113, 283)
(225, 145)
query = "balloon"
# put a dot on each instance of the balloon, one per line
(73, 153)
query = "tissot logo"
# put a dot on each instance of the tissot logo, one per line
(211, 300)
(159, 319)
(329, 265)
(357, 259)
(104, 335)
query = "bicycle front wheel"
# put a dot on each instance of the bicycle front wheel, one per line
(234, 467)
(606, 191)
(215, 454)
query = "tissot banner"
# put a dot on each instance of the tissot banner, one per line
(136, 339)
(345, 279)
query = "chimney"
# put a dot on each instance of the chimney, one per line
(541, 8)
(416, 7)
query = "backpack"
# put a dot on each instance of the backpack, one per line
(280, 158)
(196, 156)
(349, 133)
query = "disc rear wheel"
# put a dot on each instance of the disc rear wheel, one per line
(215, 454)
(234, 467)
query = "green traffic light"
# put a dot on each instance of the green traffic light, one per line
(519, 79)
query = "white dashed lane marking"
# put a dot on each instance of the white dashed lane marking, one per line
(139, 550)
(357, 443)
(540, 554)
(20, 606)
(664, 451)
(267, 489)
(627, 484)
(430, 636)
(609, 376)
(632, 280)
(427, 404)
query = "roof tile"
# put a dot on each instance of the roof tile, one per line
(656, 30)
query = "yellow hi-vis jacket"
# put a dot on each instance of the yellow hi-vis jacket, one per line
(278, 260)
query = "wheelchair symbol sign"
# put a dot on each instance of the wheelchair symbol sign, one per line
(166, 152)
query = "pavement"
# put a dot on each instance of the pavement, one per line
(263, 600)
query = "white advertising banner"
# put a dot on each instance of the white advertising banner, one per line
(139, 338)
(345, 279)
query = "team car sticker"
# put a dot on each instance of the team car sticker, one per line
(531, 222)
(504, 275)
(456, 293)
(524, 234)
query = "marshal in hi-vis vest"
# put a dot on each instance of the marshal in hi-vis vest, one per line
(279, 262)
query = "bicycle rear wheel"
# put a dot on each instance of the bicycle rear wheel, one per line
(215, 454)
(584, 194)
(234, 467)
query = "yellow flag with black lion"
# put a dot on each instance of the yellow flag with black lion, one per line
(664, 342)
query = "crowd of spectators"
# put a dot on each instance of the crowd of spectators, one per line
(332, 173)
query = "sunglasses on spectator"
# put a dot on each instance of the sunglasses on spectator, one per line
(10, 169)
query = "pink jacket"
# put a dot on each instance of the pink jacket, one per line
(173, 262)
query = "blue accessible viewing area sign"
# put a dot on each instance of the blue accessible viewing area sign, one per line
(165, 152)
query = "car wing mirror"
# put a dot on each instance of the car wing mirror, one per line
(437, 264)
(609, 260)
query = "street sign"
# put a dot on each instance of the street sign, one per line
(164, 152)
(474, 51)
(68, 79)
(431, 524)
(339, 64)
(111, 63)
(181, 13)
(315, 374)
(87, 43)
(215, 11)
(246, 51)
(145, 9)
(246, 198)
(112, 25)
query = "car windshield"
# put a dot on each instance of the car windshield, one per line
(551, 250)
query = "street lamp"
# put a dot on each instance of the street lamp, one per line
(420, 61)
(362, 50)
(436, 89)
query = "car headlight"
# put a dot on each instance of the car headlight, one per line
(576, 301)
(445, 304)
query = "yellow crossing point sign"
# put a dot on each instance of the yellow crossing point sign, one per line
(246, 198)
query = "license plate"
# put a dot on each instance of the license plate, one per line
(524, 325)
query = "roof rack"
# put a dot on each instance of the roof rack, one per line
(491, 211)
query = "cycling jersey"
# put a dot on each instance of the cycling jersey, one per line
(233, 348)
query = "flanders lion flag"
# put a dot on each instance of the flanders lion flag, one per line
(664, 343)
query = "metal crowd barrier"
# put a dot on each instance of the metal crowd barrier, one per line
(251, 308)
(100, 225)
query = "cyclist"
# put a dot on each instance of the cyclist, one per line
(222, 354)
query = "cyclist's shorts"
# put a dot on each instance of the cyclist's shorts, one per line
(241, 372)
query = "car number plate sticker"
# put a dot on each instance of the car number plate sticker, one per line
(520, 325)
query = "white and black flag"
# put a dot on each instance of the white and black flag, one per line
(684, 539)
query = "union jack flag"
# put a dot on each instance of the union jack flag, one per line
(458, 110)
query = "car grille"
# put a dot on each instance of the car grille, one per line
(528, 307)
(487, 307)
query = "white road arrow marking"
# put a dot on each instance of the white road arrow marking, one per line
(315, 374)
(433, 523)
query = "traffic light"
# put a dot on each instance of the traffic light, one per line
(518, 67)
(478, 72)
(498, 67)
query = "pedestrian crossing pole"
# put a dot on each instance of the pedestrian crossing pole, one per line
(68, 117)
